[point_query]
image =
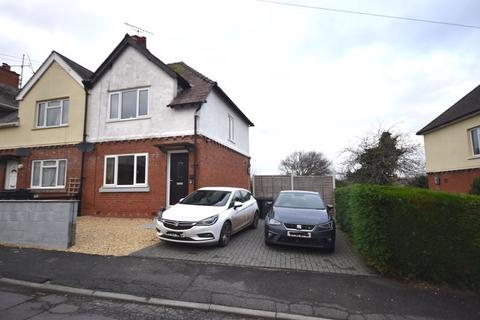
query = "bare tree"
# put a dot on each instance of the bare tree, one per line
(381, 158)
(301, 163)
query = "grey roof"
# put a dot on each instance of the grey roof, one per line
(83, 72)
(467, 106)
(7, 96)
(10, 117)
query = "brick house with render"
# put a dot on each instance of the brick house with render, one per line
(39, 141)
(159, 132)
(452, 145)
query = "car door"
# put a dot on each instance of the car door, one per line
(248, 207)
(237, 213)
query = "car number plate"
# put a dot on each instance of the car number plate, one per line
(296, 234)
(176, 234)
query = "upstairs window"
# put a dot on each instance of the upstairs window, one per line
(231, 128)
(126, 170)
(475, 136)
(52, 113)
(49, 173)
(128, 104)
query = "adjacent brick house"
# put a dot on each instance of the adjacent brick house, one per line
(39, 142)
(452, 145)
(160, 131)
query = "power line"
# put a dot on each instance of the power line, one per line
(378, 15)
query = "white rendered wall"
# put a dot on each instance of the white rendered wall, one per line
(133, 70)
(213, 123)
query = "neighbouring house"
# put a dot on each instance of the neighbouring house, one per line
(39, 145)
(160, 131)
(8, 90)
(452, 145)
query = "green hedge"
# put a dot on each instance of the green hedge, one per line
(414, 233)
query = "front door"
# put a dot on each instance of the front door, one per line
(178, 177)
(11, 172)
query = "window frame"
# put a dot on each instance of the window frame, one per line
(115, 173)
(231, 128)
(45, 120)
(119, 105)
(57, 186)
(472, 147)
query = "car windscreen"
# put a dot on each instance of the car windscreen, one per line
(214, 198)
(299, 200)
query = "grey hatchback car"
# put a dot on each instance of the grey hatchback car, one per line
(300, 218)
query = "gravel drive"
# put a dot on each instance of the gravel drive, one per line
(113, 236)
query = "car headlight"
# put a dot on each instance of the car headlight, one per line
(274, 222)
(326, 225)
(208, 221)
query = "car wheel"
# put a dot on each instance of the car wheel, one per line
(225, 234)
(254, 224)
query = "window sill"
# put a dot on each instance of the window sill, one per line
(129, 119)
(476, 157)
(50, 127)
(124, 189)
(51, 189)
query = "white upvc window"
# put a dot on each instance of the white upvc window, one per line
(49, 173)
(53, 113)
(128, 104)
(231, 128)
(126, 170)
(475, 140)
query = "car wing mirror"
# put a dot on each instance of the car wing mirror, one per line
(237, 204)
(330, 208)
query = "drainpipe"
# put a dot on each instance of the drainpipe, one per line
(195, 134)
(84, 141)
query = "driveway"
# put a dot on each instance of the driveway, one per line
(247, 248)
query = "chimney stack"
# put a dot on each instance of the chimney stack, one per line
(8, 77)
(142, 41)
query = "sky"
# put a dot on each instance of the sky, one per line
(308, 79)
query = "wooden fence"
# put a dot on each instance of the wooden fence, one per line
(270, 186)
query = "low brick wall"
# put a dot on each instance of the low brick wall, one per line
(39, 223)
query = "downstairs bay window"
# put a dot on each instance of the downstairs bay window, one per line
(124, 171)
(49, 174)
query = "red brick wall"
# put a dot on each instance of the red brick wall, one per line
(127, 204)
(221, 166)
(217, 166)
(454, 181)
(71, 153)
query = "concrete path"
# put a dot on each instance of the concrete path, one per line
(247, 248)
(328, 295)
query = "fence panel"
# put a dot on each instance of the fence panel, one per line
(268, 186)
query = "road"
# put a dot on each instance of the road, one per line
(20, 303)
(328, 295)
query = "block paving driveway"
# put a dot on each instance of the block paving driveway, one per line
(247, 248)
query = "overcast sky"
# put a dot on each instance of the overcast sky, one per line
(308, 79)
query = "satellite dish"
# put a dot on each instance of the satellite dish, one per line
(86, 146)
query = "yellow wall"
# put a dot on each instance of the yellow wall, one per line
(449, 148)
(54, 83)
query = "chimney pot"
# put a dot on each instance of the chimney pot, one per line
(5, 66)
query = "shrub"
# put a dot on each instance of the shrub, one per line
(414, 233)
(475, 189)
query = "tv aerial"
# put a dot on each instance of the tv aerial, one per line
(138, 30)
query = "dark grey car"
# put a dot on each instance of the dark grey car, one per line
(300, 218)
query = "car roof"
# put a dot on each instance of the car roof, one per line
(223, 189)
(298, 191)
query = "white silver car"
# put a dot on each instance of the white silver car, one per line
(209, 216)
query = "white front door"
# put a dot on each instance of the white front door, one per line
(11, 172)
